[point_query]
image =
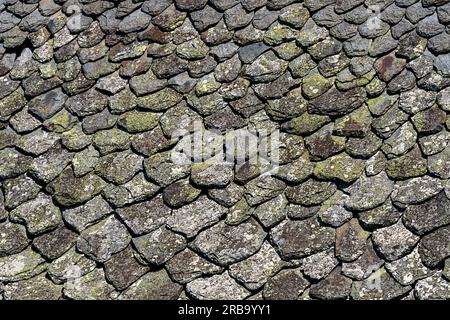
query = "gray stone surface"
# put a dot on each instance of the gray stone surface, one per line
(123, 269)
(103, 239)
(434, 287)
(38, 215)
(334, 286)
(13, 238)
(144, 217)
(297, 239)
(21, 266)
(363, 267)
(217, 287)
(369, 192)
(158, 246)
(225, 244)
(116, 118)
(437, 210)
(408, 269)
(433, 247)
(379, 286)
(319, 265)
(153, 286)
(350, 241)
(92, 286)
(191, 218)
(394, 242)
(36, 288)
(288, 284)
(254, 272)
(187, 265)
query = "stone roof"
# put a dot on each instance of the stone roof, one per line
(103, 197)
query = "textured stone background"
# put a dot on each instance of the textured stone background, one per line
(91, 206)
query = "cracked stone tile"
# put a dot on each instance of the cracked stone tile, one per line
(409, 100)
(227, 196)
(409, 165)
(381, 216)
(322, 143)
(316, 192)
(369, 192)
(119, 167)
(24, 122)
(85, 161)
(112, 140)
(85, 215)
(347, 102)
(181, 193)
(406, 134)
(262, 189)
(238, 213)
(416, 190)
(333, 212)
(112, 83)
(350, 241)
(144, 217)
(341, 167)
(50, 164)
(138, 189)
(271, 212)
(438, 164)
(86, 103)
(69, 190)
(211, 174)
(37, 142)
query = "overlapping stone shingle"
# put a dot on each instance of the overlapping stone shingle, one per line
(119, 178)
